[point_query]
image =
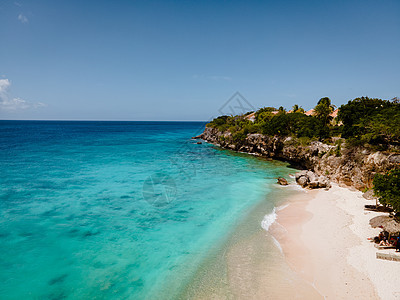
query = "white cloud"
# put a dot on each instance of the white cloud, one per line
(23, 19)
(4, 84)
(8, 103)
(14, 104)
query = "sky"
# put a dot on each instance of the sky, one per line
(183, 60)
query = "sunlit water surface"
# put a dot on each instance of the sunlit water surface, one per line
(123, 210)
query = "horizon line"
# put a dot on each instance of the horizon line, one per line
(99, 120)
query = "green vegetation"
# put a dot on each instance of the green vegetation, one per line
(362, 121)
(298, 109)
(371, 121)
(387, 188)
(323, 110)
(264, 114)
(293, 124)
(338, 148)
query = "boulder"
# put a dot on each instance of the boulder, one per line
(355, 166)
(369, 195)
(300, 174)
(282, 181)
(303, 181)
(311, 180)
(313, 184)
(324, 182)
(394, 158)
(311, 176)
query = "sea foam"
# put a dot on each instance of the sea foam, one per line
(277, 244)
(268, 220)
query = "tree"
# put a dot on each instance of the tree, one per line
(281, 110)
(297, 109)
(264, 114)
(371, 120)
(387, 188)
(323, 110)
(322, 113)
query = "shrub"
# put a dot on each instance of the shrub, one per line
(363, 121)
(239, 137)
(371, 120)
(387, 188)
(338, 150)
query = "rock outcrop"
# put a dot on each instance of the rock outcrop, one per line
(350, 166)
(282, 181)
(311, 180)
(369, 195)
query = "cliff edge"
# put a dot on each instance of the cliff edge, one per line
(351, 166)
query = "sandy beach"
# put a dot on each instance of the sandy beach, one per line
(317, 248)
(324, 237)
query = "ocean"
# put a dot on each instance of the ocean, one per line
(120, 210)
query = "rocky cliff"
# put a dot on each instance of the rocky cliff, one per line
(345, 165)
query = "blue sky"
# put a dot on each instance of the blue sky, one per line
(182, 60)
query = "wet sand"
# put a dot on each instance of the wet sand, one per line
(316, 249)
(250, 265)
(324, 236)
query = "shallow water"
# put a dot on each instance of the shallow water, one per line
(126, 210)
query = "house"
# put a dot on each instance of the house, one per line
(310, 112)
(334, 113)
(251, 117)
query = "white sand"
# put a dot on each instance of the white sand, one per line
(324, 238)
(385, 275)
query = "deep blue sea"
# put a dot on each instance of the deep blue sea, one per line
(117, 210)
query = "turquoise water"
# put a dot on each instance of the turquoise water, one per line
(116, 210)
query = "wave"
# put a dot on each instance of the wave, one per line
(297, 188)
(277, 244)
(269, 219)
(282, 207)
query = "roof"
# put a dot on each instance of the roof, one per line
(251, 117)
(309, 113)
(312, 112)
(334, 113)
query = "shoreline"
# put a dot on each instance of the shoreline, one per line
(315, 156)
(250, 264)
(323, 235)
(314, 247)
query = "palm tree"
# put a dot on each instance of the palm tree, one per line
(297, 109)
(323, 110)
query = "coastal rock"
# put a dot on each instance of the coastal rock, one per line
(313, 185)
(311, 180)
(282, 181)
(369, 195)
(394, 158)
(311, 176)
(351, 166)
(300, 174)
(303, 181)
